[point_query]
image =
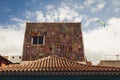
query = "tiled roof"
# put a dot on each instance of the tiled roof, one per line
(58, 65)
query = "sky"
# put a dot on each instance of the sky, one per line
(100, 42)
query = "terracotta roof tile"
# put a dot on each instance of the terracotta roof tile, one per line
(59, 64)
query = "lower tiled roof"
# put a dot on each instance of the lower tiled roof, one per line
(58, 65)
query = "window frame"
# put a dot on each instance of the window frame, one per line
(38, 40)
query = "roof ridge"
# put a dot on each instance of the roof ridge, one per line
(55, 56)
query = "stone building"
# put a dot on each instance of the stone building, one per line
(45, 39)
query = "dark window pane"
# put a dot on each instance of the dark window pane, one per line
(40, 40)
(35, 40)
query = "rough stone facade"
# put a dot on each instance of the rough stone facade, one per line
(61, 39)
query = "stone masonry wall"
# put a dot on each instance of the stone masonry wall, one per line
(61, 39)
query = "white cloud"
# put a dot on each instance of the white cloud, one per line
(67, 14)
(99, 7)
(11, 40)
(89, 2)
(49, 7)
(89, 20)
(40, 16)
(117, 10)
(103, 41)
(63, 13)
(17, 19)
(116, 2)
(51, 16)
(73, 5)
(29, 15)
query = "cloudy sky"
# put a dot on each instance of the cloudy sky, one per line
(99, 40)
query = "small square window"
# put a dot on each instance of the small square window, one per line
(38, 40)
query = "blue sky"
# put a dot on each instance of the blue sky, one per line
(87, 9)
(15, 13)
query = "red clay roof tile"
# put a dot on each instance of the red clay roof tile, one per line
(59, 64)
